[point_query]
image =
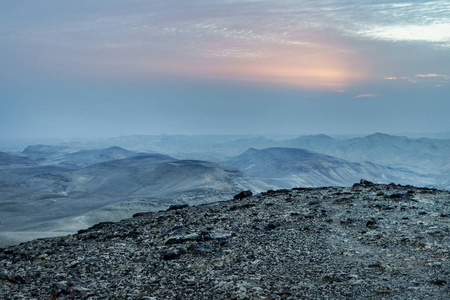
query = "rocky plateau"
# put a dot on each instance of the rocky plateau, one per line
(368, 241)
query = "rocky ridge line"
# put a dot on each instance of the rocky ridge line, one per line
(369, 241)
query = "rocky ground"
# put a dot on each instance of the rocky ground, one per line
(368, 241)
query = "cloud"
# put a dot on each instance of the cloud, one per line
(435, 33)
(320, 44)
(261, 41)
(439, 79)
(432, 75)
(365, 96)
(420, 21)
(427, 75)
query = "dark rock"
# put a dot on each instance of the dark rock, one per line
(401, 197)
(15, 279)
(371, 224)
(225, 243)
(71, 289)
(173, 254)
(277, 192)
(348, 221)
(59, 288)
(243, 195)
(101, 225)
(177, 228)
(204, 249)
(142, 214)
(78, 291)
(334, 278)
(439, 282)
(258, 227)
(314, 203)
(178, 206)
(383, 207)
(289, 198)
(173, 241)
(356, 187)
(366, 183)
(375, 266)
(81, 231)
(272, 226)
(343, 201)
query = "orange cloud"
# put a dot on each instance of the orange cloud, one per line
(365, 96)
(428, 75)
(290, 65)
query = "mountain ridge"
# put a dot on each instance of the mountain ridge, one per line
(294, 167)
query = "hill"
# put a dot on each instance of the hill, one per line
(421, 155)
(8, 160)
(45, 200)
(292, 167)
(366, 242)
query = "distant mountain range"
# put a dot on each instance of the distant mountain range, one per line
(71, 157)
(64, 187)
(423, 155)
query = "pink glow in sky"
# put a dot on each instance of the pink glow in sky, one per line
(64, 56)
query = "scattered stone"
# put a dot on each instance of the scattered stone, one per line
(439, 282)
(343, 201)
(348, 221)
(383, 293)
(371, 224)
(178, 206)
(366, 183)
(272, 226)
(361, 242)
(204, 249)
(173, 254)
(243, 195)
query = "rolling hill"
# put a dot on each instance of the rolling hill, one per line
(45, 200)
(292, 167)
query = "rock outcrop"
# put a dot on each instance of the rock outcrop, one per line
(368, 241)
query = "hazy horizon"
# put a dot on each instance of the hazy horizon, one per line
(276, 136)
(89, 69)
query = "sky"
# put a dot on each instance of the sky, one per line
(105, 68)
